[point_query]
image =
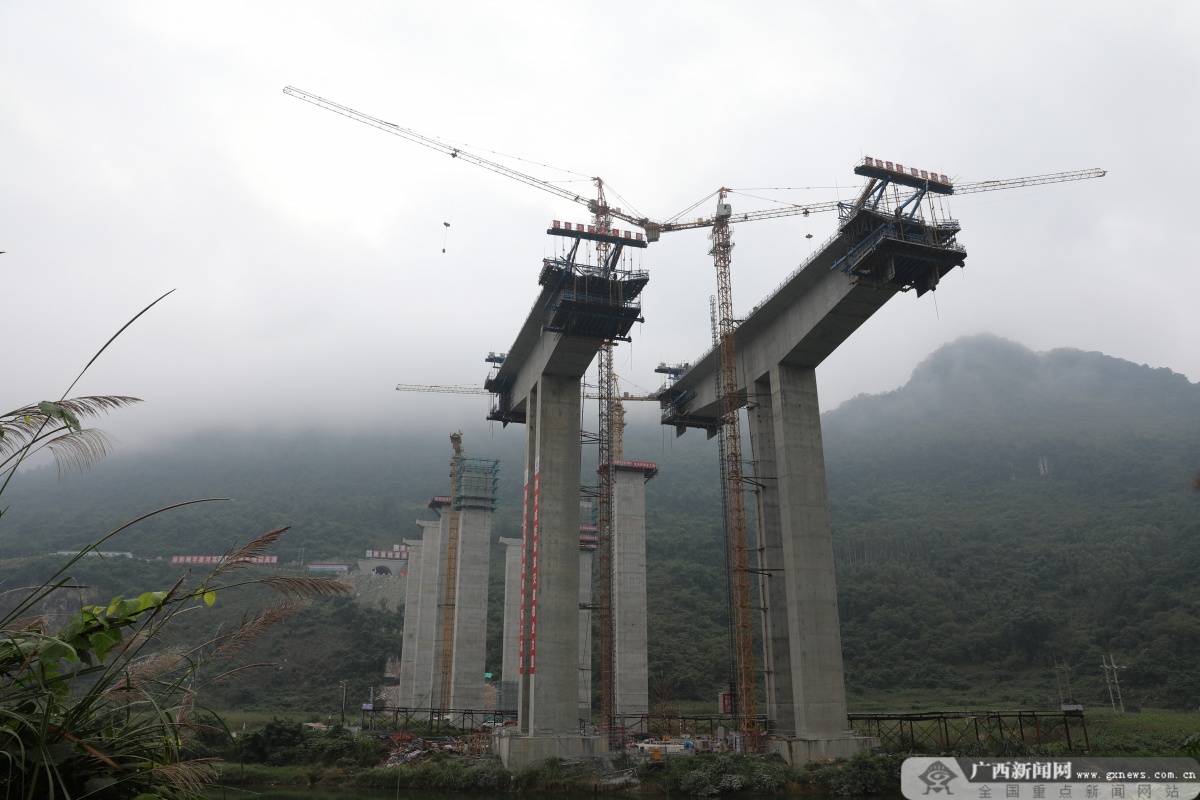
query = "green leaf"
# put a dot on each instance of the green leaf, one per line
(52, 650)
(152, 599)
(127, 610)
(58, 411)
(210, 597)
(103, 641)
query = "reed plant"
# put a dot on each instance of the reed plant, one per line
(100, 707)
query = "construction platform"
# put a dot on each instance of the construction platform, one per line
(579, 308)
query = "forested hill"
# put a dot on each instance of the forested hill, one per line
(1001, 508)
(1004, 507)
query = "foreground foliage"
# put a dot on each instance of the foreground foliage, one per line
(100, 706)
(282, 743)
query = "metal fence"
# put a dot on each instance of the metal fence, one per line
(945, 731)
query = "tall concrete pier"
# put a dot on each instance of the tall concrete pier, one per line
(408, 652)
(427, 685)
(631, 676)
(587, 547)
(510, 662)
(579, 308)
(802, 648)
(549, 707)
(473, 501)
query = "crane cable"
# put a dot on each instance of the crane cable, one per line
(449, 202)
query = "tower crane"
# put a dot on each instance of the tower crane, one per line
(881, 175)
(602, 218)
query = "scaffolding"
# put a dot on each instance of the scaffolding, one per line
(477, 484)
(586, 303)
(890, 237)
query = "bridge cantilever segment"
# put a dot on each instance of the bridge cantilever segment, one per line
(874, 255)
(577, 310)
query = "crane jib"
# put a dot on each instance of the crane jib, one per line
(627, 238)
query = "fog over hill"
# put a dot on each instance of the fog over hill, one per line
(1001, 508)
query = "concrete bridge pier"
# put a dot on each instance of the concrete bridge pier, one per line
(470, 607)
(509, 660)
(412, 606)
(427, 685)
(585, 636)
(631, 678)
(548, 689)
(802, 647)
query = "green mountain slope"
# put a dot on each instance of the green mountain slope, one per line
(1005, 507)
(1000, 509)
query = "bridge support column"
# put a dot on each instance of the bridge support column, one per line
(631, 673)
(585, 638)
(548, 715)
(777, 668)
(470, 609)
(806, 692)
(509, 660)
(412, 605)
(426, 678)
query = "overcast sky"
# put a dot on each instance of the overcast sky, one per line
(149, 146)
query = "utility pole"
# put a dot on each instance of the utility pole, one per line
(343, 703)
(1062, 675)
(1112, 679)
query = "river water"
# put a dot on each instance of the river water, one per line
(261, 793)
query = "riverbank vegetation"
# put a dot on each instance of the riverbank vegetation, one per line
(1151, 733)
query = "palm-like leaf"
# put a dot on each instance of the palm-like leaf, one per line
(28, 429)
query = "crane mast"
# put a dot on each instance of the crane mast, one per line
(745, 690)
(604, 523)
(719, 388)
